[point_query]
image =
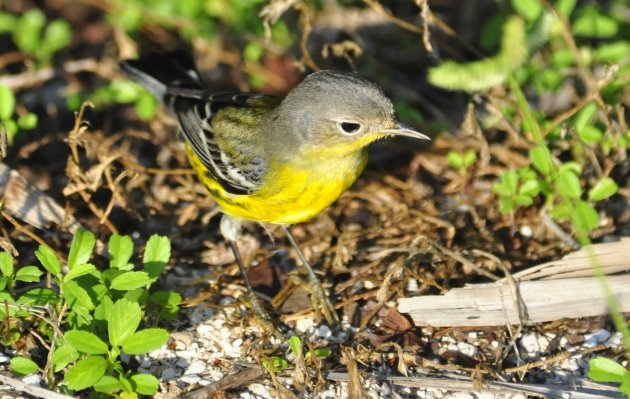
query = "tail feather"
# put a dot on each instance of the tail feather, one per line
(165, 74)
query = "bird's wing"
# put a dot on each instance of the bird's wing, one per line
(222, 131)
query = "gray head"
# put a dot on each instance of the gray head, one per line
(330, 108)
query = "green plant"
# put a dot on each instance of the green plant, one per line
(606, 370)
(12, 126)
(33, 36)
(100, 313)
(461, 162)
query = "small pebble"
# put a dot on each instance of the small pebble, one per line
(4, 358)
(466, 349)
(196, 367)
(190, 379)
(596, 338)
(304, 325)
(33, 379)
(169, 373)
(526, 231)
(534, 344)
(324, 331)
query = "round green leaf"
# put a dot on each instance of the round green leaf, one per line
(145, 341)
(28, 121)
(85, 373)
(28, 274)
(130, 281)
(22, 366)
(6, 263)
(86, 342)
(604, 188)
(81, 248)
(541, 159)
(108, 384)
(145, 384)
(57, 36)
(606, 370)
(146, 106)
(120, 251)
(124, 319)
(585, 217)
(569, 184)
(49, 260)
(7, 102)
(455, 160)
(590, 134)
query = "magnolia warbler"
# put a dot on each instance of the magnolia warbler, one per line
(269, 159)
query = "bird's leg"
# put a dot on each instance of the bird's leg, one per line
(230, 229)
(319, 297)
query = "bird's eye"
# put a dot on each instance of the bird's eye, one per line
(350, 127)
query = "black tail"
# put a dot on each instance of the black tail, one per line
(166, 74)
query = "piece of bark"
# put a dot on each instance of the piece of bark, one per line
(496, 304)
(23, 201)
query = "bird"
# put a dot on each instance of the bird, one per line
(270, 159)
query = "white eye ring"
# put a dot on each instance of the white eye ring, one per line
(349, 127)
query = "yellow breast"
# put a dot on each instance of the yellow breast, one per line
(290, 192)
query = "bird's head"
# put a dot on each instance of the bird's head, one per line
(330, 109)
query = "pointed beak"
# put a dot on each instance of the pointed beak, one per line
(406, 131)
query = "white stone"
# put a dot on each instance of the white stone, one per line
(33, 379)
(534, 343)
(196, 367)
(237, 342)
(190, 379)
(466, 349)
(615, 340)
(526, 231)
(4, 358)
(305, 324)
(260, 390)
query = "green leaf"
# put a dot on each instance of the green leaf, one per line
(29, 274)
(585, 116)
(166, 298)
(528, 9)
(86, 342)
(76, 295)
(145, 341)
(108, 384)
(124, 91)
(275, 364)
(455, 160)
(568, 184)
(120, 251)
(22, 366)
(39, 296)
(80, 270)
(523, 200)
(81, 248)
(8, 23)
(28, 121)
(49, 260)
(6, 263)
(63, 356)
(506, 205)
(145, 384)
(27, 32)
(585, 217)
(295, 344)
(85, 373)
(541, 159)
(591, 23)
(156, 255)
(488, 72)
(604, 188)
(530, 188)
(130, 281)
(565, 7)
(606, 370)
(615, 52)
(591, 134)
(146, 106)
(57, 36)
(469, 158)
(123, 321)
(7, 103)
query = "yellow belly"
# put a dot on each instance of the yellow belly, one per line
(288, 194)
